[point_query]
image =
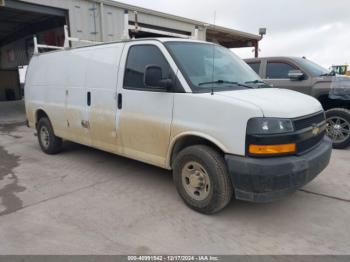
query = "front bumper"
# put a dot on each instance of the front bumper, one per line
(268, 179)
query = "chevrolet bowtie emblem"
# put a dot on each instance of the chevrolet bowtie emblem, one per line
(315, 130)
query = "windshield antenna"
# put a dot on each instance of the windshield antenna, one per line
(212, 74)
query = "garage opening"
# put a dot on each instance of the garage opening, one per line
(19, 22)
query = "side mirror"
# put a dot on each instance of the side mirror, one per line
(295, 75)
(153, 78)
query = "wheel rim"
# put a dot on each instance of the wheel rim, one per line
(44, 136)
(196, 181)
(338, 129)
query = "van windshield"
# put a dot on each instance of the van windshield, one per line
(210, 67)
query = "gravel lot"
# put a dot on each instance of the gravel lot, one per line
(85, 201)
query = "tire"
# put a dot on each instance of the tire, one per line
(208, 195)
(338, 127)
(49, 143)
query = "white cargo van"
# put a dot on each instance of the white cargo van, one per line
(189, 106)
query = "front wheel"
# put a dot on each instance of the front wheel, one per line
(201, 179)
(338, 127)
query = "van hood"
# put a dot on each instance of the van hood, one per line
(274, 102)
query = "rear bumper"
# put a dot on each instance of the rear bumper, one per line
(268, 179)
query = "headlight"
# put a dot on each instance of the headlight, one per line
(263, 125)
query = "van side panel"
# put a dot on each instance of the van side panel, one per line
(75, 95)
(30, 87)
(101, 82)
(45, 89)
(59, 82)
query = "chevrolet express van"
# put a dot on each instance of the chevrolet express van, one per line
(188, 106)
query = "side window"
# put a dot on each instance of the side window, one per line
(278, 70)
(138, 58)
(255, 66)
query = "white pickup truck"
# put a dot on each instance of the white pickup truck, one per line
(188, 106)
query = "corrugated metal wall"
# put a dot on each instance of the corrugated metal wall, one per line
(86, 19)
(91, 20)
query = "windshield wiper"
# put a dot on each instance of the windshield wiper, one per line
(257, 81)
(260, 82)
(224, 82)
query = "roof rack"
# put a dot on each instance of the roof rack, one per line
(66, 45)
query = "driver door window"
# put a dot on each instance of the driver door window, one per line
(139, 57)
(277, 76)
(278, 70)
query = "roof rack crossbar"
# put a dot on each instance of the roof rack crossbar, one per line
(39, 46)
(68, 39)
(66, 45)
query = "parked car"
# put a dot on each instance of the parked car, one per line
(188, 106)
(305, 76)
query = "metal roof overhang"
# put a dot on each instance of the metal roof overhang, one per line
(18, 19)
(227, 37)
(231, 38)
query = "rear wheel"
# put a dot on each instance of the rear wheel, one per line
(201, 179)
(49, 143)
(338, 127)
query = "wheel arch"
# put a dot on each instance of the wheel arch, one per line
(40, 113)
(186, 139)
(329, 103)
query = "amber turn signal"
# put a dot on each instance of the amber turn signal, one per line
(272, 149)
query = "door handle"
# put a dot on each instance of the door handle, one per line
(120, 101)
(88, 98)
